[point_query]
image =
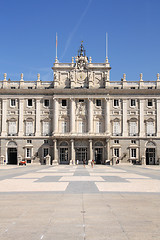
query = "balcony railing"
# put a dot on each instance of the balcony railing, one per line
(12, 134)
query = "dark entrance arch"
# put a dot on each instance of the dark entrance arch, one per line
(12, 155)
(150, 153)
(12, 152)
(98, 152)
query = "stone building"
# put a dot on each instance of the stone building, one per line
(80, 115)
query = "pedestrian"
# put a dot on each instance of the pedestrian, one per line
(77, 161)
(92, 163)
(83, 163)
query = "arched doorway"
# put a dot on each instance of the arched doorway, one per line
(63, 152)
(81, 151)
(12, 152)
(150, 153)
(98, 152)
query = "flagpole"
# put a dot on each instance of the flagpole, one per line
(56, 45)
(106, 47)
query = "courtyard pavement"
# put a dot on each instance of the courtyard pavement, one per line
(77, 203)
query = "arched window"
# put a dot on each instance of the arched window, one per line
(63, 144)
(98, 126)
(29, 127)
(150, 128)
(116, 127)
(150, 144)
(12, 127)
(45, 128)
(97, 144)
(12, 144)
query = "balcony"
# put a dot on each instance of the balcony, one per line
(133, 134)
(117, 134)
(12, 134)
(151, 134)
(30, 134)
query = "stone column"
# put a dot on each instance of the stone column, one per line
(158, 117)
(125, 131)
(107, 116)
(4, 117)
(72, 115)
(72, 160)
(90, 115)
(107, 152)
(90, 152)
(55, 157)
(141, 115)
(21, 129)
(55, 115)
(38, 132)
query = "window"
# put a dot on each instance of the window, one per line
(29, 128)
(133, 102)
(116, 152)
(116, 88)
(46, 128)
(98, 102)
(149, 87)
(98, 127)
(28, 152)
(29, 87)
(116, 128)
(64, 102)
(150, 103)
(133, 128)
(116, 141)
(13, 88)
(46, 103)
(30, 102)
(133, 152)
(150, 128)
(133, 141)
(64, 127)
(81, 100)
(133, 88)
(81, 127)
(45, 152)
(12, 128)
(45, 141)
(116, 102)
(13, 102)
(29, 141)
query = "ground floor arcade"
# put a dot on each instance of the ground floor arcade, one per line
(76, 151)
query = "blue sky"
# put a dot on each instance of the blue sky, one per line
(28, 29)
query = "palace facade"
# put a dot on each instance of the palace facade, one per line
(80, 115)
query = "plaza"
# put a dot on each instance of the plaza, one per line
(80, 203)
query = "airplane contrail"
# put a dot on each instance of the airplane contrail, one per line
(75, 29)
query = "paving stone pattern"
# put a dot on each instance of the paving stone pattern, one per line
(77, 203)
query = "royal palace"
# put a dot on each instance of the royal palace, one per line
(80, 115)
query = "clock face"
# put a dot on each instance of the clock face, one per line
(81, 77)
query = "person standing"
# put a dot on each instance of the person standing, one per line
(84, 163)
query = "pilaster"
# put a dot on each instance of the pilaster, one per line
(90, 115)
(72, 115)
(90, 151)
(4, 117)
(55, 115)
(141, 115)
(72, 160)
(125, 132)
(38, 132)
(158, 117)
(21, 106)
(107, 116)
(55, 154)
